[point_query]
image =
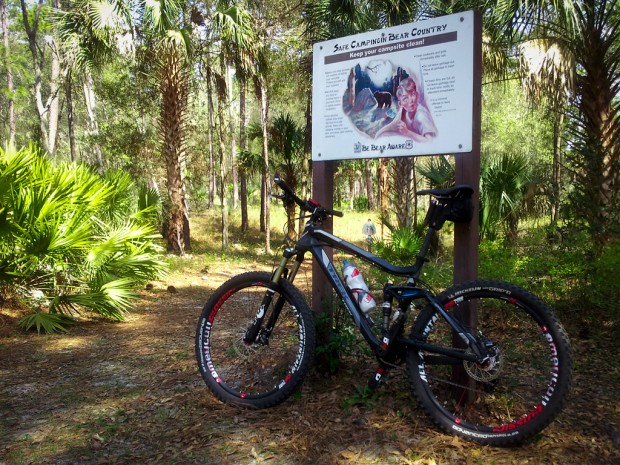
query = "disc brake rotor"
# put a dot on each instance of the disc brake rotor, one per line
(489, 370)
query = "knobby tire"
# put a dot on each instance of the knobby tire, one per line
(524, 385)
(258, 374)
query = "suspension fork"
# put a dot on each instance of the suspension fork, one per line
(261, 335)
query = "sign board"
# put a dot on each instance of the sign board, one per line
(402, 91)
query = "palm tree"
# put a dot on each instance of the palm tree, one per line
(249, 164)
(169, 46)
(286, 143)
(87, 33)
(504, 181)
(586, 34)
(232, 25)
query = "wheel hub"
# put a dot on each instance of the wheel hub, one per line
(487, 371)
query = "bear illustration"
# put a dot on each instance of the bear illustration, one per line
(384, 99)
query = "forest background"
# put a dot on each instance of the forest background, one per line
(139, 115)
(124, 123)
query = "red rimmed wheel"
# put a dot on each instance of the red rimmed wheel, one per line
(522, 386)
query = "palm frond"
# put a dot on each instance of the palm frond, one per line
(439, 171)
(48, 322)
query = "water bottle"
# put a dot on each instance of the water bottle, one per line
(356, 283)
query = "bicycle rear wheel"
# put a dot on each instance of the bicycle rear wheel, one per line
(523, 386)
(265, 372)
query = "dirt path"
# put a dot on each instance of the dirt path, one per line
(130, 393)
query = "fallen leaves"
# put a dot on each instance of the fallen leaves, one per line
(130, 394)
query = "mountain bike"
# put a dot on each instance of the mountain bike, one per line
(486, 360)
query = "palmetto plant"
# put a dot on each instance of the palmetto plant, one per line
(439, 171)
(504, 180)
(67, 244)
(287, 143)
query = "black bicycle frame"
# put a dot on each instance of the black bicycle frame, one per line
(314, 240)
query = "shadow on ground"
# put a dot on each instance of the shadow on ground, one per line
(130, 393)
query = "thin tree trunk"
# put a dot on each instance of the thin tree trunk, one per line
(243, 180)
(210, 121)
(306, 176)
(351, 190)
(558, 122)
(223, 97)
(369, 188)
(54, 98)
(414, 189)
(223, 176)
(9, 74)
(233, 143)
(383, 191)
(70, 119)
(37, 57)
(93, 126)
(265, 190)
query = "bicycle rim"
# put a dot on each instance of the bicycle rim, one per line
(251, 372)
(514, 395)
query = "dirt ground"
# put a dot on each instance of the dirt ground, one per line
(130, 393)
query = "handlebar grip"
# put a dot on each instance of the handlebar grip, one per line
(337, 213)
(284, 186)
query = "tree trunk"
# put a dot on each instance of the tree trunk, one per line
(233, 143)
(306, 175)
(558, 123)
(384, 190)
(414, 198)
(351, 190)
(9, 74)
(210, 121)
(48, 111)
(243, 144)
(369, 188)
(600, 120)
(211, 147)
(93, 126)
(264, 107)
(70, 120)
(223, 176)
(53, 101)
(223, 97)
(174, 90)
(402, 190)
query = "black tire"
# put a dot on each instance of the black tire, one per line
(519, 392)
(256, 375)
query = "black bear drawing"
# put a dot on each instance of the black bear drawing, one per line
(384, 99)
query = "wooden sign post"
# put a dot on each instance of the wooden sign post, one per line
(353, 80)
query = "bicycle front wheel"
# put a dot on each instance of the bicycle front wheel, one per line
(514, 394)
(265, 371)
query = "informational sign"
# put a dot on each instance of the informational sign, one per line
(401, 91)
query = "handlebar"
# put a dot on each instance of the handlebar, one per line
(309, 205)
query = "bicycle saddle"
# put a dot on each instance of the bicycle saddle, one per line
(454, 192)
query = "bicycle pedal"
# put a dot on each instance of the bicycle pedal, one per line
(375, 381)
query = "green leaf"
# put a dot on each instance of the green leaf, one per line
(49, 322)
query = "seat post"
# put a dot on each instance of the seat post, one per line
(421, 258)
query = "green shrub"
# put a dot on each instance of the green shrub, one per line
(360, 203)
(70, 240)
(604, 291)
(402, 245)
